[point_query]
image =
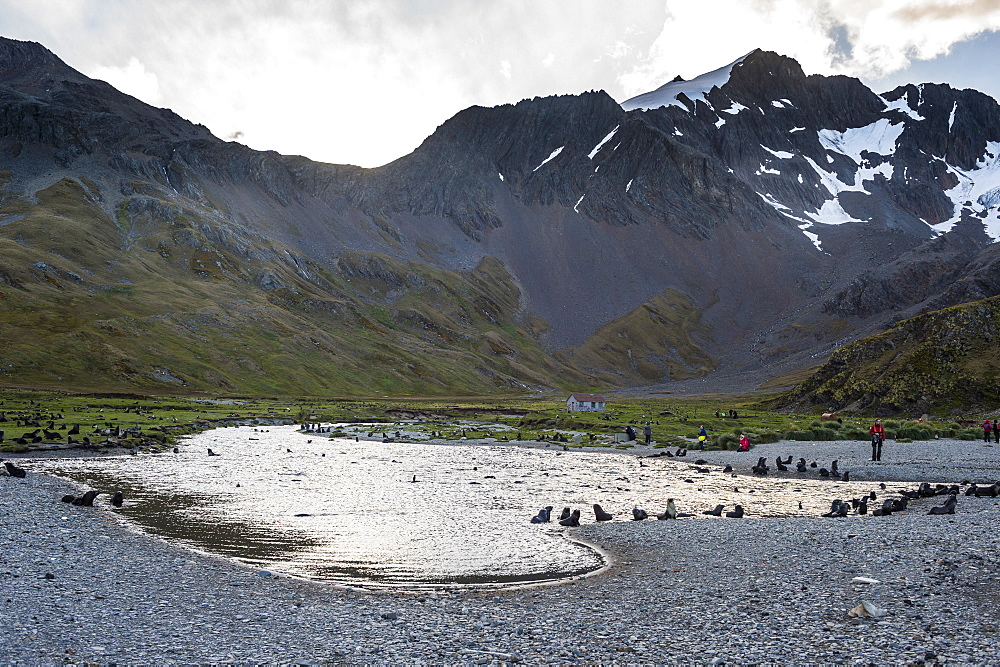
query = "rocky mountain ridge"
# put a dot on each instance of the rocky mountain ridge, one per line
(556, 242)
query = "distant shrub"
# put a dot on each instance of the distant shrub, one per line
(891, 424)
(799, 435)
(725, 441)
(765, 437)
(968, 434)
(912, 433)
(854, 432)
(824, 433)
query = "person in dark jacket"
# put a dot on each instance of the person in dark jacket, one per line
(647, 431)
(996, 431)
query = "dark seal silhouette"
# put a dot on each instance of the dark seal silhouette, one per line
(737, 512)
(671, 511)
(14, 471)
(117, 499)
(639, 515)
(947, 508)
(600, 514)
(572, 521)
(716, 512)
(543, 515)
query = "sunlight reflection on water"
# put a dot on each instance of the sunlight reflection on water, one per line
(349, 512)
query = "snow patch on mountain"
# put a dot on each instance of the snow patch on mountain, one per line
(734, 109)
(695, 89)
(879, 137)
(902, 105)
(784, 155)
(787, 212)
(603, 141)
(550, 157)
(977, 191)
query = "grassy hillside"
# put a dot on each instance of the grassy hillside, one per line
(943, 361)
(160, 293)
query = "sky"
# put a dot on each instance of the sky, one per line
(365, 81)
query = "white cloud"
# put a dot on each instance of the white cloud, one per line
(365, 81)
(132, 79)
(856, 37)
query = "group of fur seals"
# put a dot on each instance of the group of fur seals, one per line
(572, 521)
(87, 499)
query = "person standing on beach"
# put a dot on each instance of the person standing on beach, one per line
(996, 431)
(702, 437)
(647, 431)
(878, 437)
(987, 427)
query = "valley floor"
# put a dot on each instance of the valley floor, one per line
(706, 590)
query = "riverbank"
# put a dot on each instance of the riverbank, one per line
(739, 591)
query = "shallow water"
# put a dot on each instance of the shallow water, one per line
(349, 512)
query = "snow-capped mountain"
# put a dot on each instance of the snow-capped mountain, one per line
(751, 219)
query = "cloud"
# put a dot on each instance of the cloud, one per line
(856, 37)
(365, 81)
(132, 79)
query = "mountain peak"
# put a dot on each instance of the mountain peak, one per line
(693, 89)
(20, 61)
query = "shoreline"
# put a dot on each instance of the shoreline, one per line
(740, 591)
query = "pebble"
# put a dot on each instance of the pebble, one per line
(701, 591)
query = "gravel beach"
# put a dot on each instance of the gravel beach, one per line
(77, 585)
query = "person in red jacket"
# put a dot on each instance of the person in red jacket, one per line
(744, 443)
(987, 427)
(878, 437)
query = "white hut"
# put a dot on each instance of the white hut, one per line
(586, 403)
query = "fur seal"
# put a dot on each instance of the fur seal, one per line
(671, 511)
(211, 453)
(572, 521)
(947, 508)
(68, 498)
(737, 512)
(600, 514)
(716, 512)
(564, 514)
(117, 499)
(544, 515)
(885, 510)
(14, 471)
(727, 469)
(638, 514)
(86, 500)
